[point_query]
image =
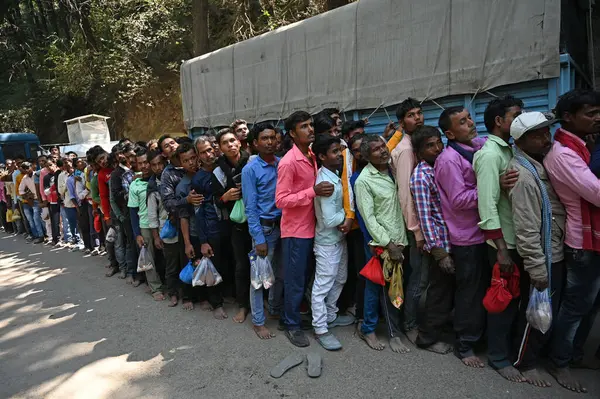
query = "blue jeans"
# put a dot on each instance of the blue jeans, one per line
(296, 258)
(371, 307)
(30, 215)
(65, 224)
(583, 284)
(272, 235)
(71, 218)
(125, 250)
(40, 226)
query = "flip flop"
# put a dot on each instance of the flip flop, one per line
(289, 362)
(314, 364)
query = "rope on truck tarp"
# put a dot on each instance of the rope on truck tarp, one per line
(388, 115)
(473, 98)
(436, 103)
(371, 114)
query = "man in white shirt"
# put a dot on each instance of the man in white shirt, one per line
(28, 194)
(61, 187)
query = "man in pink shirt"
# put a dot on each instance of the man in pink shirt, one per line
(579, 191)
(295, 193)
(410, 117)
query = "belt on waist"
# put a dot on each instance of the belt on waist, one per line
(270, 223)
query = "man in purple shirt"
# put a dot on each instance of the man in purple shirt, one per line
(578, 189)
(457, 185)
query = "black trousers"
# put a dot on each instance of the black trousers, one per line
(472, 280)
(223, 263)
(502, 326)
(175, 259)
(242, 244)
(7, 226)
(54, 210)
(354, 288)
(83, 222)
(529, 342)
(438, 305)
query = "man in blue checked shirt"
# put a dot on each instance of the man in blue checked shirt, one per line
(427, 145)
(259, 179)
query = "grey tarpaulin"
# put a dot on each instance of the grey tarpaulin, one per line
(372, 52)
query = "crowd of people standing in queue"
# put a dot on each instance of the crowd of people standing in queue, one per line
(325, 199)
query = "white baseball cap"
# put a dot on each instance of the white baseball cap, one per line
(528, 121)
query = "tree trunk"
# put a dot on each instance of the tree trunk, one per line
(52, 15)
(86, 26)
(254, 10)
(63, 17)
(200, 26)
(43, 17)
(331, 4)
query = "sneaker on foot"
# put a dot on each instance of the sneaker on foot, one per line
(329, 341)
(341, 321)
(38, 240)
(297, 338)
(95, 252)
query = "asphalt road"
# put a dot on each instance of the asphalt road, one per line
(66, 331)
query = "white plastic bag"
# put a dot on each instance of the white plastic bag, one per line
(206, 274)
(145, 262)
(539, 310)
(266, 272)
(111, 235)
(211, 276)
(197, 280)
(255, 278)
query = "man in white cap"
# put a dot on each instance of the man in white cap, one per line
(539, 223)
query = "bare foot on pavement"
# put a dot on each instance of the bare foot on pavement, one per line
(511, 374)
(566, 380)
(397, 346)
(263, 332)
(473, 361)
(240, 317)
(535, 378)
(372, 341)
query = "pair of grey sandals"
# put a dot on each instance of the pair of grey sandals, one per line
(313, 359)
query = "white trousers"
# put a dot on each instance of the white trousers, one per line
(331, 273)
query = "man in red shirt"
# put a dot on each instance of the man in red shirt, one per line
(104, 171)
(295, 193)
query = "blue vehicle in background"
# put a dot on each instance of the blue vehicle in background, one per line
(24, 144)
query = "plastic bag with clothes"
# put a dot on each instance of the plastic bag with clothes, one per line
(145, 262)
(266, 272)
(539, 310)
(206, 274)
(168, 230)
(255, 279)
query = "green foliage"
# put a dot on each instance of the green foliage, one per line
(120, 58)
